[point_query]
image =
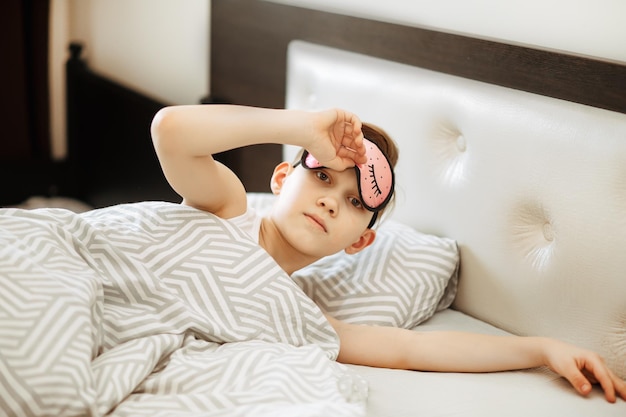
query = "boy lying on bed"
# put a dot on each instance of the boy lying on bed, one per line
(323, 208)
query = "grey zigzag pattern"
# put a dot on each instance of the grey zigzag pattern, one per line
(279, 378)
(98, 306)
(398, 281)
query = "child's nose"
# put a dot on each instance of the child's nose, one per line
(328, 203)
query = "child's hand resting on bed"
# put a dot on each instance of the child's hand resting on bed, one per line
(583, 368)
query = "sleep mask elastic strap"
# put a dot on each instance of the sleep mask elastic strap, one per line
(375, 178)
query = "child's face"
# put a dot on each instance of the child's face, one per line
(319, 211)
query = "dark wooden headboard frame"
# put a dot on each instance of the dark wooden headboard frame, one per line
(249, 40)
(248, 61)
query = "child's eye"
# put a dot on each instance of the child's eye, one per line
(322, 176)
(356, 202)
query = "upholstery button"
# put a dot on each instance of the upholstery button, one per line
(548, 233)
(534, 234)
(449, 147)
(460, 143)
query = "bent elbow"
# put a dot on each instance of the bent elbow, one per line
(161, 130)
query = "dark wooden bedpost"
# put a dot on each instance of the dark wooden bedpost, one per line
(25, 162)
(111, 159)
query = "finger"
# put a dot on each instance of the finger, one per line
(361, 151)
(340, 163)
(577, 380)
(621, 389)
(620, 386)
(353, 137)
(352, 157)
(354, 151)
(590, 377)
(604, 378)
(352, 123)
(355, 122)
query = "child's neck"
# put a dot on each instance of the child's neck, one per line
(288, 258)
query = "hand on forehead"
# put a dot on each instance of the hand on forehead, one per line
(375, 177)
(350, 152)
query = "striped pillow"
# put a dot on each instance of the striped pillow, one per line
(402, 279)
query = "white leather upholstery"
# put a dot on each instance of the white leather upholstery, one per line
(532, 188)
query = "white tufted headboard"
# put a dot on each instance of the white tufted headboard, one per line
(532, 188)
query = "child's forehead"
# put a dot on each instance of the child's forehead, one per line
(348, 175)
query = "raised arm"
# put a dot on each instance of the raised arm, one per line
(187, 137)
(390, 347)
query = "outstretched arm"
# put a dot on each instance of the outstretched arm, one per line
(186, 137)
(389, 347)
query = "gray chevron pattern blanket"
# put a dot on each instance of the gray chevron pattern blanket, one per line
(158, 309)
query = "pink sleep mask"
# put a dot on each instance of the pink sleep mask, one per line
(375, 178)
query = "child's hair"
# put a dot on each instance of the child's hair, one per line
(384, 142)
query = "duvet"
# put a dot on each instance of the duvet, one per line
(158, 309)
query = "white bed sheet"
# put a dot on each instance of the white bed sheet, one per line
(533, 392)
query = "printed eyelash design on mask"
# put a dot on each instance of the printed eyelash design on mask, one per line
(375, 186)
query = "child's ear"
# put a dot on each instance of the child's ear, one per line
(366, 239)
(281, 172)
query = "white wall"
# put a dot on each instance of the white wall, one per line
(593, 28)
(157, 47)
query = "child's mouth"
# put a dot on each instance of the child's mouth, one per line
(318, 222)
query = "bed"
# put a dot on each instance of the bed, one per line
(509, 219)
